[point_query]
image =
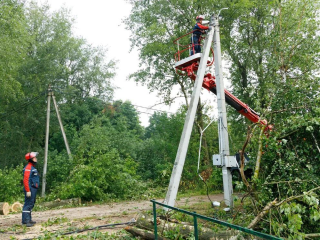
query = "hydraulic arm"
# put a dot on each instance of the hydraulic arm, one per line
(210, 84)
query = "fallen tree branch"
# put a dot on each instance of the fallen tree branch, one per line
(296, 197)
(274, 203)
(312, 235)
(265, 210)
(292, 181)
(58, 202)
(144, 234)
(145, 222)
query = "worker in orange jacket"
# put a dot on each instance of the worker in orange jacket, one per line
(198, 30)
(31, 182)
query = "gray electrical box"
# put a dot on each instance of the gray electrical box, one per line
(216, 159)
(230, 161)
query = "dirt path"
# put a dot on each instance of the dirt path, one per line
(80, 217)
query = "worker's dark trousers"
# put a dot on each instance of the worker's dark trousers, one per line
(196, 48)
(28, 205)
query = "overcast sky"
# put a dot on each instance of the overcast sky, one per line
(99, 22)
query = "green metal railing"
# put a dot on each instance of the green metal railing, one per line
(196, 216)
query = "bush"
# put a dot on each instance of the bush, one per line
(105, 176)
(11, 184)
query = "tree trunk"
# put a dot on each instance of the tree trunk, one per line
(58, 202)
(259, 155)
(15, 207)
(4, 208)
(143, 234)
(146, 222)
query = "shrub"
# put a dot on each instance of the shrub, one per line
(11, 184)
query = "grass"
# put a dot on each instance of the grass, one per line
(55, 221)
(17, 228)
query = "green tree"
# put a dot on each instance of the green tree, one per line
(14, 40)
(154, 26)
(53, 56)
(273, 49)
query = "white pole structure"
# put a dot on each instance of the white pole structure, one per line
(222, 117)
(61, 126)
(188, 124)
(43, 192)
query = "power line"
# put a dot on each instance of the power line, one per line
(145, 113)
(153, 109)
(20, 107)
(149, 108)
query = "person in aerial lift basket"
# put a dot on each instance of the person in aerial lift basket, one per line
(30, 186)
(198, 30)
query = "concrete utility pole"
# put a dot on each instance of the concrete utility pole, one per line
(44, 175)
(188, 124)
(61, 125)
(222, 117)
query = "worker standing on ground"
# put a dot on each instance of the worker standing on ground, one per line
(198, 30)
(30, 183)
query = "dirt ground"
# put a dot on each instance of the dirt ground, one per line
(82, 217)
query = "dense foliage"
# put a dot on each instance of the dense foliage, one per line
(273, 51)
(113, 156)
(272, 48)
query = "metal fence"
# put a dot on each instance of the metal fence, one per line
(195, 223)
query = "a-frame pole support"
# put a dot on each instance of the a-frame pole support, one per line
(44, 176)
(188, 124)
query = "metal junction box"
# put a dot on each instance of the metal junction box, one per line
(230, 161)
(216, 159)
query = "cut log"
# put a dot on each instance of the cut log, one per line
(16, 207)
(58, 202)
(4, 208)
(143, 234)
(146, 222)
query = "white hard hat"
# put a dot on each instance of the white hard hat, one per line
(31, 155)
(199, 17)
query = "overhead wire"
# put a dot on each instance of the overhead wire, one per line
(22, 106)
(148, 108)
(153, 109)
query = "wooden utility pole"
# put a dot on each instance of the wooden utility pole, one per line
(51, 95)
